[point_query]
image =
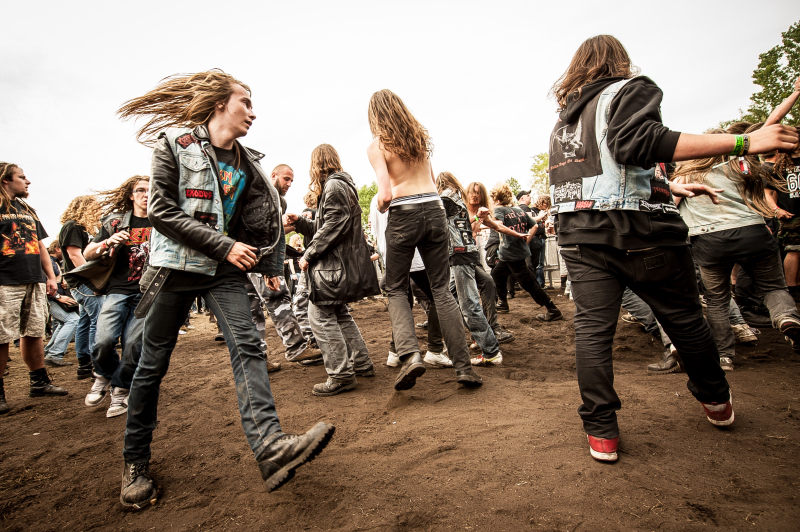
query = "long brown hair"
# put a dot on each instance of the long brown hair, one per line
(398, 130)
(601, 56)
(483, 195)
(447, 180)
(749, 183)
(185, 100)
(119, 199)
(324, 162)
(501, 194)
(6, 173)
(85, 210)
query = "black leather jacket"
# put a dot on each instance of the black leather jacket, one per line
(340, 269)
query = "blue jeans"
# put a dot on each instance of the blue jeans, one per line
(117, 320)
(90, 306)
(229, 303)
(469, 300)
(64, 325)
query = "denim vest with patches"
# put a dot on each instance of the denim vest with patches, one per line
(461, 240)
(585, 176)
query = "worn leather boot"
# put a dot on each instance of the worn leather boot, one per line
(3, 405)
(333, 386)
(41, 385)
(552, 314)
(667, 364)
(468, 378)
(138, 488)
(502, 306)
(287, 452)
(412, 368)
(85, 371)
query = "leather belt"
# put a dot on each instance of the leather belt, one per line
(155, 286)
(416, 206)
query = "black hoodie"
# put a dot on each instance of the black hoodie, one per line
(636, 136)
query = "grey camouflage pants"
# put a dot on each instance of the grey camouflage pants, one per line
(301, 305)
(340, 341)
(279, 308)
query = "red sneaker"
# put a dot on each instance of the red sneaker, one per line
(720, 414)
(603, 449)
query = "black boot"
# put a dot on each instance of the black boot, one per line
(138, 488)
(502, 306)
(279, 459)
(41, 385)
(3, 405)
(411, 369)
(552, 313)
(85, 371)
(668, 364)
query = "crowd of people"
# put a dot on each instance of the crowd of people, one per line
(637, 209)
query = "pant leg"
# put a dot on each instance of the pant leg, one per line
(279, 308)
(540, 266)
(529, 284)
(111, 324)
(735, 315)
(766, 273)
(435, 340)
(132, 335)
(63, 332)
(300, 304)
(91, 304)
(717, 282)
(488, 297)
(335, 350)
(356, 348)
(500, 274)
(256, 311)
(469, 301)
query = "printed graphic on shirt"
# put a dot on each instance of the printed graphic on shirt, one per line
(569, 142)
(233, 181)
(568, 191)
(138, 252)
(792, 181)
(22, 238)
(574, 152)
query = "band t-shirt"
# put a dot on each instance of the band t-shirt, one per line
(72, 234)
(21, 232)
(131, 259)
(232, 180)
(513, 248)
(789, 201)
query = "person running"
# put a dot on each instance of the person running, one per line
(339, 271)
(215, 216)
(618, 226)
(400, 156)
(125, 232)
(26, 279)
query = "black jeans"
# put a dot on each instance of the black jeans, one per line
(664, 279)
(422, 226)
(520, 270)
(435, 342)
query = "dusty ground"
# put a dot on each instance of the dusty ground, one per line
(508, 456)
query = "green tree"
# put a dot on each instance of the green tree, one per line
(777, 71)
(514, 185)
(365, 195)
(540, 180)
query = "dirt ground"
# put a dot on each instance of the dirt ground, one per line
(508, 456)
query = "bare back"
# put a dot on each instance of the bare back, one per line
(397, 176)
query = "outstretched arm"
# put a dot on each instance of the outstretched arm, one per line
(785, 106)
(766, 139)
(483, 214)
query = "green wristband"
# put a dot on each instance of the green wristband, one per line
(737, 150)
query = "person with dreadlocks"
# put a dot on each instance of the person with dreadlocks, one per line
(124, 231)
(26, 279)
(618, 226)
(215, 216)
(81, 217)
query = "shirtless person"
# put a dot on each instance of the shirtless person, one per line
(416, 220)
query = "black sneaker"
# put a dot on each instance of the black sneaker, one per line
(85, 371)
(42, 386)
(279, 460)
(503, 336)
(468, 378)
(138, 488)
(550, 315)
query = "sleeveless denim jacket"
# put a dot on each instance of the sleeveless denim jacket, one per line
(461, 240)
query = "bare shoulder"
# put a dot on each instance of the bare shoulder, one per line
(375, 146)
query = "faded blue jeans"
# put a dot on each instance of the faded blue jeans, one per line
(117, 320)
(469, 300)
(229, 303)
(64, 325)
(90, 306)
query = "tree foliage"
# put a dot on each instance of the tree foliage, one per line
(514, 185)
(777, 71)
(540, 180)
(365, 195)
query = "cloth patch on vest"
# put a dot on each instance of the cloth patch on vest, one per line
(659, 192)
(459, 249)
(208, 218)
(655, 262)
(199, 193)
(568, 191)
(584, 205)
(186, 140)
(650, 207)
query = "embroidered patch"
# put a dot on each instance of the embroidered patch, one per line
(659, 192)
(568, 191)
(208, 218)
(670, 209)
(584, 205)
(199, 193)
(186, 140)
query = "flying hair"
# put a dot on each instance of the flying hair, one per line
(324, 162)
(397, 129)
(483, 195)
(447, 180)
(601, 56)
(119, 199)
(85, 211)
(181, 100)
(501, 194)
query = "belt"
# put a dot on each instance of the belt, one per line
(152, 291)
(417, 206)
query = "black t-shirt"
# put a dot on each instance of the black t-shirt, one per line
(21, 232)
(733, 245)
(72, 234)
(513, 249)
(789, 201)
(131, 259)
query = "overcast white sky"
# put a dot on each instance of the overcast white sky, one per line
(476, 74)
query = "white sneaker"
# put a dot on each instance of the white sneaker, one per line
(483, 361)
(393, 361)
(438, 359)
(119, 402)
(99, 388)
(743, 333)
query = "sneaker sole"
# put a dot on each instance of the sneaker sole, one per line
(286, 473)
(506, 340)
(406, 381)
(469, 381)
(725, 423)
(345, 388)
(603, 457)
(676, 369)
(115, 413)
(152, 499)
(87, 402)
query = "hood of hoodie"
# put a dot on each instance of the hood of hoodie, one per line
(345, 177)
(587, 93)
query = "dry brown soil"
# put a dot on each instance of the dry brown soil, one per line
(508, 456)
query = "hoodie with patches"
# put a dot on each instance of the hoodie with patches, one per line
(636, 136)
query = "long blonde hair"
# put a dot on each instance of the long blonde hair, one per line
(85, 211)
(324, 162)
(447, 180)
(119, 199)
(397, 129)
(185, 100)
(601, 56)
